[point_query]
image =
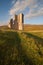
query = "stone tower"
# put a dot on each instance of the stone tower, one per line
(20, 21)
(17, 23)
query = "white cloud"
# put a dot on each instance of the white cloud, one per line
(34, 8)
(34, 13)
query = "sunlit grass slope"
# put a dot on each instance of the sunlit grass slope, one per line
(21, 48)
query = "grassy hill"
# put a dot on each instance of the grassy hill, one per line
(21, 48)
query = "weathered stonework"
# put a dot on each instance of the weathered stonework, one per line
(17, 23)
(10, 25)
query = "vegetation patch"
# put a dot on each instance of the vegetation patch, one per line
(21, 48)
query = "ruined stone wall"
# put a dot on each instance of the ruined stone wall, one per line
(10, 25)
(17, 23)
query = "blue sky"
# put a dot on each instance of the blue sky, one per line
(32, 10)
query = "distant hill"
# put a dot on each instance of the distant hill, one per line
(27, 27)
(4, 27)
(33, 27)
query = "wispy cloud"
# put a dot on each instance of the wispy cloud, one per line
(35, 7)
(34, 13)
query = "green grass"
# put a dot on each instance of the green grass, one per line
(21, 48)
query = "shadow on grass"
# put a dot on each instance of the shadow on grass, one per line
(11, 51)
(36, 38)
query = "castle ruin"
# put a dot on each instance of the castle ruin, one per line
(17, 23)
